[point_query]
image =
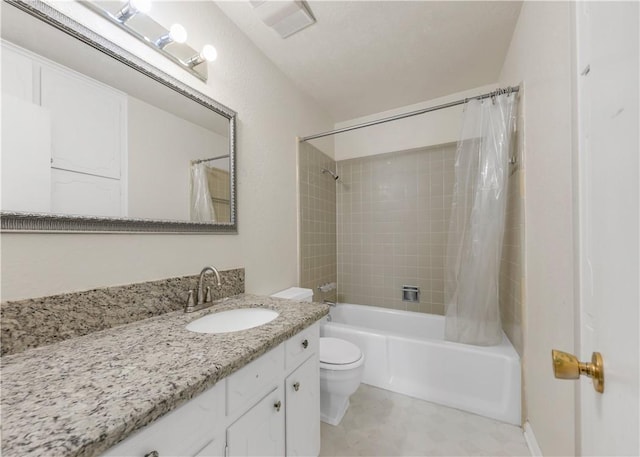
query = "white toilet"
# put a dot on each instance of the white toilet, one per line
(341, 367)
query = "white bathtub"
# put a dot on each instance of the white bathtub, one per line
(405, 352)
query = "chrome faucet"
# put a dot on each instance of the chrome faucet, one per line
(202, 298)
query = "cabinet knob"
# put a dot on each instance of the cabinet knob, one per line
(152, 454)
(277, 405)
(305, 344)
(296, 386)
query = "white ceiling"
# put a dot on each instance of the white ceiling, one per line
(363, 57)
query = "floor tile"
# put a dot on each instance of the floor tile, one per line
(384, 423)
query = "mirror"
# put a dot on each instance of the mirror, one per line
(95, 139)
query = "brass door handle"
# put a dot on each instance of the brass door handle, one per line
(567, 366)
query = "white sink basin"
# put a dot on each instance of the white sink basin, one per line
(232, 320)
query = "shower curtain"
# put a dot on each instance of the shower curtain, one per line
(476, 227)
(201, 203)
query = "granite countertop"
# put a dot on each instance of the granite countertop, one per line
(81, 396)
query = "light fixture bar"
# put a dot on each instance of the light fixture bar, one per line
(170, 43)
(126, 13)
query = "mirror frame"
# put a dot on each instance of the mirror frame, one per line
(11, 221)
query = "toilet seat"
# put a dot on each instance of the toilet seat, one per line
(337, 354)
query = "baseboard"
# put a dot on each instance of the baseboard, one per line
(530, 438)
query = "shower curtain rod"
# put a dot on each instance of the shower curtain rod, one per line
(507, 90)
(195, 162)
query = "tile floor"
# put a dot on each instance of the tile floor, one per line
(383, 423)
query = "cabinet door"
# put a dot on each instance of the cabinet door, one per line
(17, 74)
(87, 122)
(26, 156)
(260, 431)
(88, 195)
(302, 394)
(215, 448)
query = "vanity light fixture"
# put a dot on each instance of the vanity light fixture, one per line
(171, 43)
(177, 34)
(131, 8)
(208, 54)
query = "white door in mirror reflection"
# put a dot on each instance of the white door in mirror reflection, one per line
(64, 134)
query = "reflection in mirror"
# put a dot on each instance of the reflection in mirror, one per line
(84, 134)
(210, 200)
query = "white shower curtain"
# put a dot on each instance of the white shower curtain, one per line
(476, 227)
(201, 203)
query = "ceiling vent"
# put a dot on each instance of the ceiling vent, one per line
(285, 17)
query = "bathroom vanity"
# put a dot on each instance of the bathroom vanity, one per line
(154, 388)
(268, 407)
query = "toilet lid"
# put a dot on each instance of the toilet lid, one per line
(335, 351)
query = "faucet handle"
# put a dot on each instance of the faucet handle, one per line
(190, 302)
(207, 295)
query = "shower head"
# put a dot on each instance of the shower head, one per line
(333, 175)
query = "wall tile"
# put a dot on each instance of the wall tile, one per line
(385, 225)
(392, 227)
(318, 216)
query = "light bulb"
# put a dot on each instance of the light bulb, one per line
(209, 53)
(178, 33)
(143, 6)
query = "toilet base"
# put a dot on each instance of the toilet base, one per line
(332, 408)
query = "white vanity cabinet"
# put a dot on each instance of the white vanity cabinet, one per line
(261, 430)
(302, 395)
(270, 406)
(185, 431)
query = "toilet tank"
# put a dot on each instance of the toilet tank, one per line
(295, 293)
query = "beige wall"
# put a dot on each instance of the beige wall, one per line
(540, 57)
(317, 213)
(161, 147)
(271, 113)
(393, 214)
(434, 128)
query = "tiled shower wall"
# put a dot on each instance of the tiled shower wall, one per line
(512, 265)
(317, 212)
(392, 223)
(393, 214)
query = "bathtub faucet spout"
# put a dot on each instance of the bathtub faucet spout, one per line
(330, 303)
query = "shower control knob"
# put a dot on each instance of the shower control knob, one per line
(296, 386)
(305, 344)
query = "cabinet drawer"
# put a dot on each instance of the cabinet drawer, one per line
(252, 381)
(184, 431)
(299, 347)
